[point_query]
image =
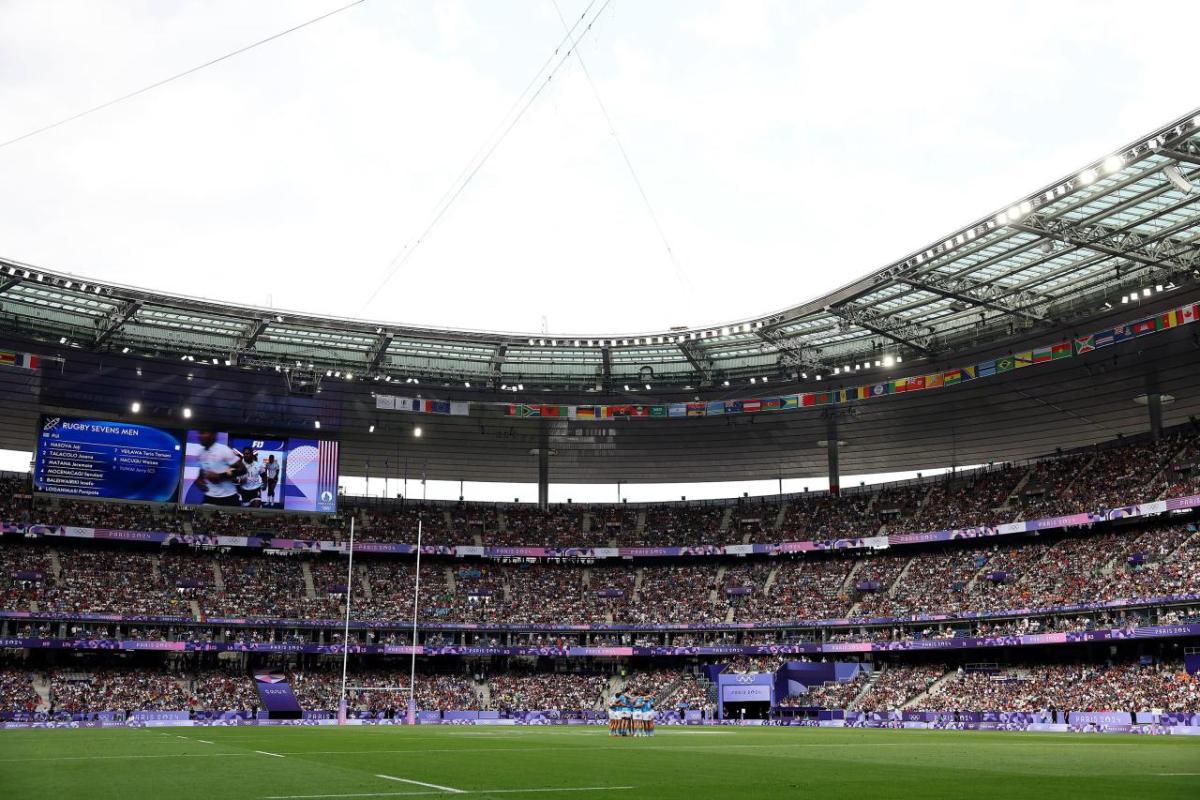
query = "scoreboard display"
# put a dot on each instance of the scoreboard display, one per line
(116, 460)
(107, 460)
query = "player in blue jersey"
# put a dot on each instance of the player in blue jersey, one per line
(614, 717)
(648, 713)
(626, 726)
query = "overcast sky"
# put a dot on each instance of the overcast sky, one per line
(786, 147)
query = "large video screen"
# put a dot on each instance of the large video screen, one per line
(105, 459)
(289, 473)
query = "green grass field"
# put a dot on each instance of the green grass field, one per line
(301, 763)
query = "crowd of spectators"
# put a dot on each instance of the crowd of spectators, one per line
(1038, 572)
(895, 687)
(1117, 474)
(17, 692)
(1073, 687)
(679, 525)
(538, 691)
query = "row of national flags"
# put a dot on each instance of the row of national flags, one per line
(1055, 351)
(23, 360)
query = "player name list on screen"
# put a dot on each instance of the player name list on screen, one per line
(99, 458)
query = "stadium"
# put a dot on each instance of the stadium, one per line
(223, 575)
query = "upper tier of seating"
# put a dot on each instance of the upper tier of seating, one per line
(1104, 477)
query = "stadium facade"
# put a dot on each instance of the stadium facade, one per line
(1055, 341)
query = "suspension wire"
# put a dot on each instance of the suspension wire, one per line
(178, 75)
(469, 172)
(680, 275)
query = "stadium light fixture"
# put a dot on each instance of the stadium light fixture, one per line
(1124, 300)
(371, 429)
(888, 361)
(135, 407)
(818, 377)
(62, 340)
(725, 383)
(126, 350)
(328, 373)
(804, 375)
(317, 424)
(349, 376)
(1113, 163)
(1087, 176)
(187, 413)
(647, 387)
(1177, 178)
(417, 432)
(899, 359)
(1146, 292)
(627, 387)
(467, 384)
(521, 386)
(753, 380)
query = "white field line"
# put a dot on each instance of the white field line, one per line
(457, 791)
(634, 748)
(449, 789)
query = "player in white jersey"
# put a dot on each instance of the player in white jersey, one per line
(271, 475)
(220, 466)
(251, 485)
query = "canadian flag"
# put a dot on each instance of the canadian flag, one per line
(1187, 314)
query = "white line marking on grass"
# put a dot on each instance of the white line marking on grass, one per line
(205, 741)
(265, 753)
(1169, 774)
(449, 789)
(456, 791)
(133, 756)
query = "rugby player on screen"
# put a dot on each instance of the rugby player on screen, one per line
(220, 466)
(251, 486)
(271, 474)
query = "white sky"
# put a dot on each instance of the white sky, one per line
(787, 147)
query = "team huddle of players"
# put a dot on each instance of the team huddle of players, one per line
(231, 478)
(631, 716)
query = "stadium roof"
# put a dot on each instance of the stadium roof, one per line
(1125, 223)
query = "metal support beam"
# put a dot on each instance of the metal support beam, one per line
(605, 367)
(1154, 404)
(699, 361)
(790, 355)
(379, 351)
(249, 341)
(543, 454)
(113, 322)
(495, 365)
(1179, 155)
(9, 282)
(903, 333)
(972, 299)
(831, 451)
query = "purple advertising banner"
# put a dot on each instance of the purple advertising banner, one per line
(275, 692)
(956, 643)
